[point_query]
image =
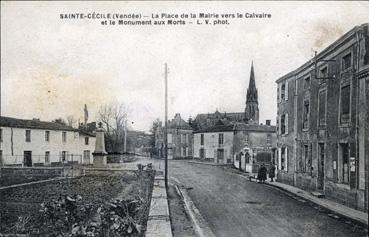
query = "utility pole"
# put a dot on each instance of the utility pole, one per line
(125, 137)
(165, 128)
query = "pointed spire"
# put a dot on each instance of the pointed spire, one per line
(252, 105)
(252, 93)
(252, 76)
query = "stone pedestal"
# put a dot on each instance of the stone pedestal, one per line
(99, 159)
(99, 154)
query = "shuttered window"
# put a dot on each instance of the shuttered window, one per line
(345, 104)
(322, 110)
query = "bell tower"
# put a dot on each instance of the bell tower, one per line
(252, 104)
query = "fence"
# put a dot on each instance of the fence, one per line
(42, 160)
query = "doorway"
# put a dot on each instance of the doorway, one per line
(321, 167)
(220, 156)
(27, 158)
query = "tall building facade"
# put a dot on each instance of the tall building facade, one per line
(179, 138)
(322, 122)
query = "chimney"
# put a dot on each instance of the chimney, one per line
(267, 122)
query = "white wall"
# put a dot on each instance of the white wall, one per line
(211, 145)
(75, 144)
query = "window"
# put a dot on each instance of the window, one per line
(246, 135)
(63, 156)
(305, 163)
(64, 136)
(344, 156)
(346, 62)
(324, 72)
(284, 124)
(322, 110)
(345, 104)
(283, 90)
(47, 157)
(28, 135)
(187, 138)
(283, 165)
(307, 82)
(1, 135)
(306, 114)
(184, 151)
(221, 139)
(202, 139)
(47, 136)
(269, 138)
(304, 159)
(86, 140)
(202, 153)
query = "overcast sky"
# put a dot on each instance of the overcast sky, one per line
(51, 67)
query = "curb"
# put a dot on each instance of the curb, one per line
(211, 164)
(158, 224)
(326, 207)
(201, 227)
(343, 214)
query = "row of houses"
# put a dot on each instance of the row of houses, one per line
(224, 138)
(323, 121)
(39, 143)
(321, 138)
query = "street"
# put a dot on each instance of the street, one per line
(234, 206)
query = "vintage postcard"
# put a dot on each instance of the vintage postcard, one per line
(176, 118)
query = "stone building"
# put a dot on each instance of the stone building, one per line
(226, 144)
(179, 138)
(323, 119)
(223, 137)
(35, 142)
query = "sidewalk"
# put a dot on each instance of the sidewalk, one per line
(207, 163)
(334, 207)
(159, 224)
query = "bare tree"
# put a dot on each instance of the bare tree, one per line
(59, 121)
(71, 121)
(114, 118)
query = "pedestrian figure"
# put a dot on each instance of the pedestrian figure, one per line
(272, 172)
(262, 174)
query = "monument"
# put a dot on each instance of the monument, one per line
(99, 154)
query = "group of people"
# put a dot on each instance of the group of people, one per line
(262, 173)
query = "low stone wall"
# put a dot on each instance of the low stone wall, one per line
(107, 171)
(47, 172)
(305, 182)
(285, 178)
(341, 194)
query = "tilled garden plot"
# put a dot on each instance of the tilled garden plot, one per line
(113, 205)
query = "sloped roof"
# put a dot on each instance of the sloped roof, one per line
(219, 127)
(180, 124)
(216, 128)
(37, 124)
(254, 127)
(217, 115)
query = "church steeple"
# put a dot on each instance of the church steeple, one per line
(252, 104)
